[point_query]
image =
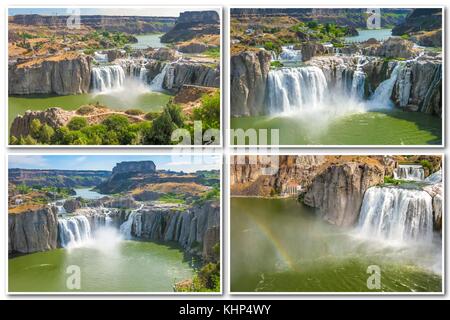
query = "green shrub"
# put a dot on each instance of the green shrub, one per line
(84, 110)
(134, 112)
(77, 123)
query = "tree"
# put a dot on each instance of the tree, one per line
(116, 123)
(161, 130)
(209, 111)
(46, 133)
(35, 128)
(77, 123)
(175, 114)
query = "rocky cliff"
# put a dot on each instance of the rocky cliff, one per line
(196, 229)
(134, 166)
(198, 74)
(32, 231)
(248, 176)
(128, 24)
(248, 73)
(61, 75)
(338, 191)
(193, 24)
(424, 25)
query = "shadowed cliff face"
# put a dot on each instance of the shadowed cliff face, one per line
(63, 75)
(193, 24)
(249, 70)
(32, 231)
(338, 191)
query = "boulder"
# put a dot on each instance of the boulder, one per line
(72, 205)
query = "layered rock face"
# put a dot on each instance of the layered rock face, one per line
(128, 24)
(196, 229)
(54, 117)
(338, 191)
(419, 86)
(249, 70)
(134, 166)
(424, 24)
(192, 24)
(180, 74)
(250, 177)
(392, 48)
(32, 231)
(68, 75)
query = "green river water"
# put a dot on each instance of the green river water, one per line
(151, 101)
(129, 266)
(279, 245)
(393, 127)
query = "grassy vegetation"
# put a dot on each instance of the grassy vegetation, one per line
(173, 198)
(213, 52)
(276, 64)
(396, 182)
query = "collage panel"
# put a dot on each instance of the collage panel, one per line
(114, 224)
(336, 224)
(139, 76)
(336, 76)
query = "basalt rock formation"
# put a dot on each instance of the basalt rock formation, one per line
(128, 24)
(249, 70)
(195, 229)
(32, 231)
(198, 74)
(338, 191)
(192, 24)
(61, 75)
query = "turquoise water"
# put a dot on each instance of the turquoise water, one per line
(88, 194)
(378, 34)
(148, 40)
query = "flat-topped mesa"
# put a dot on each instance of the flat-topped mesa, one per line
(193, 24)
(205, 17)
(134, 167)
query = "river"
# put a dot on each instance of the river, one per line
(390, 127)
(281, 246)
(148, 40)
(130, 266)
(365, 34)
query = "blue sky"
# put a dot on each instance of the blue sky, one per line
(129, 11)
(176, 162)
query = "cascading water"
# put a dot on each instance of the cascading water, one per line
(73, 230)
(134, 219)
(288, 53)
(292, 89)
(158, 81)
(100, 57)
(397, 214)
(411, 172)
(107, 78)
(381, 98)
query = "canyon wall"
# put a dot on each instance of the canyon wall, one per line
(32, 231)
(338, 191)
(197, 229)
(69, 74)
(248, 72)
(179, 74)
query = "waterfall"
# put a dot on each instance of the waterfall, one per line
(292, 89)
(107, 77)
(134, 219)
(381, 98)
(100, 57)
(397, 214)
(158, 81)
(434, 178)
(73, 230)
(409, 172)
(290, 54)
